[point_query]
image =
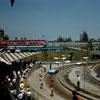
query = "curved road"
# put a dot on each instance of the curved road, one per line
(62, 92)
(58, 88)
(88, 84)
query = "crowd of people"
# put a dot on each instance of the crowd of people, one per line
(17, 82)
(74, 92)
(41, 70)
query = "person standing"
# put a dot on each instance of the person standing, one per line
(29, 95)
(19, 74)
(78, 82)
(20, 96)
(50, 65)
(14, 82)
(41, 82)
(21, 84)
(75, 94)
(44, 67)
(22, 92)
(40, 71)
(51, 87)
(15, 93)
(28, 88)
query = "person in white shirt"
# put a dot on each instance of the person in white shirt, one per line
(11, 91)
(9, 79)
(29, 95)
(44, 67)
(20, 96)
(40, 71)
(15, 75)
(78, 82)
(31, 65)
(15, 93)
(14, 82)
(41, 82)
(10, 85)
(28, 88)
(19, 74)
(23, 92)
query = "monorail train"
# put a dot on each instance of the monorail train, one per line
(22, 44)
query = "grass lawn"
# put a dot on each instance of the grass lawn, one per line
(49, 56)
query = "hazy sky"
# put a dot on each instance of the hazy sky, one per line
(52, 18)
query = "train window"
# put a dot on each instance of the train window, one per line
(23, 42)
(19, 42)
(30, 43)
(4, 43)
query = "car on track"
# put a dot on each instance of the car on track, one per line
(53, 71)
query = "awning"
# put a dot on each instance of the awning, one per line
(3, 60)
(11, 57)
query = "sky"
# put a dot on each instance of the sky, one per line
(52, 18)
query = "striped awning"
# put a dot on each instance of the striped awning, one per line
(11, 57)
(3, 60)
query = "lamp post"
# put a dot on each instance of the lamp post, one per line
(50, 65)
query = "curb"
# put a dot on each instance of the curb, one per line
(69, 87)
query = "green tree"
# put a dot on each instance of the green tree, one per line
(89, 47)
(3, 37)
(84, 37)
(60, 39)
(45, 54)
(68, 39)
(71, 56)
(6, 37)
